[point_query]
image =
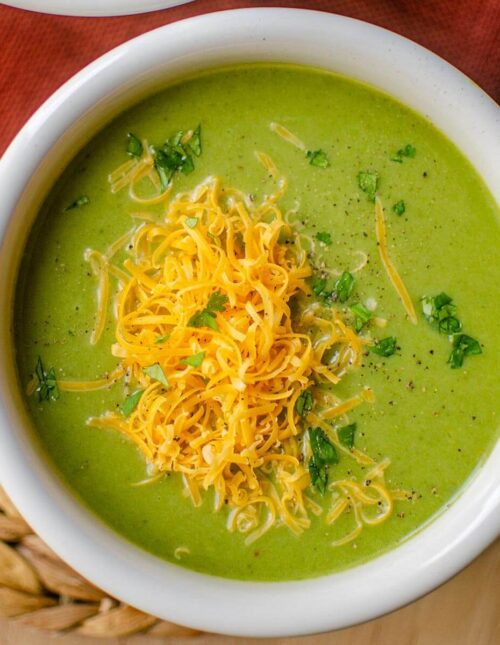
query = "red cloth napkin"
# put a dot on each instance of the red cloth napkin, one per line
(39, 52)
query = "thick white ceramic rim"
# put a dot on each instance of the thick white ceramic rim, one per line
(356, 49)
(96, 8)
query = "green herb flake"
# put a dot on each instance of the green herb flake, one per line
(194, 142)
(318, 158)
(319, 475)
(385, 347)
(463, 346)
(304, 403)
(195, 360)
(325, 238)
(322, 448)
(130, 403)
(368, 183)
(162, 339)
(47, 389)
(83, 200)
(408, 151)
(399, 207)
(343, 287)
(440, 312)
(192, 222)
(318, 284)
(134, 145)
(175, 156)
(157, 374)
(346, 435)
(187, 165)
(207, 317)
(361, 316)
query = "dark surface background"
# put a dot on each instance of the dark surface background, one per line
(39, 52)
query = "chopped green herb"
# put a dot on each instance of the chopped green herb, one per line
(194, 142)
(385, 347)
(175, 156)
(407, 151)
(47, 383)
(322, 448)
(304, 403)
(346, 435)
(187, 165)
(361, 316)
(449, 325)
(318, 284)
(155, 372)
(204, 319)
(324, 454)
(192, 222)
(83, 200)
(217, 302)
(326, 238)
(432, 305)
(368, 182)
(318, 158)
(343, 287)
(399, 207)
(463, 346)
(195, 360)
(162, 339)
(207, 317)
(134, 145)
(130, 403)
(319, 475)
(439, 311)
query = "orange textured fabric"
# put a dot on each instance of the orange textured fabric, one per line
(39, 52)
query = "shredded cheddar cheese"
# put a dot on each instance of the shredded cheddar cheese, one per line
(223, 411)
(391, 270)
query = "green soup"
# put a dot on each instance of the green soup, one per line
(435, 423)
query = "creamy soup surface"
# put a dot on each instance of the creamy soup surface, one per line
(435, 424)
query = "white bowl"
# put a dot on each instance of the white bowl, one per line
(64, 123)
(94, 7)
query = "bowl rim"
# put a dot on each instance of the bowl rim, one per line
(94, 8)
(201, 601)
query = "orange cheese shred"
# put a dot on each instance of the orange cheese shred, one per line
(391, 270)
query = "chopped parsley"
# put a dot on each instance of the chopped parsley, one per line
(192, 222)
(385, 347)
(195, 360)
(156, 372)
(175, 156)
(83, 200)
(130, 403)
(304, 403)
(318, 158)
(326, 238)
(47, 383)
(134, 145)
(319, 475)
(361, 316)
(323, 455)
(368, 182)
(207, 317)
(194, 142)
(439, 311)
(346, 435)
(399, 207)
(463, 346)
(318, 284)
(407, 151)
(162, 339)
(343, 287)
